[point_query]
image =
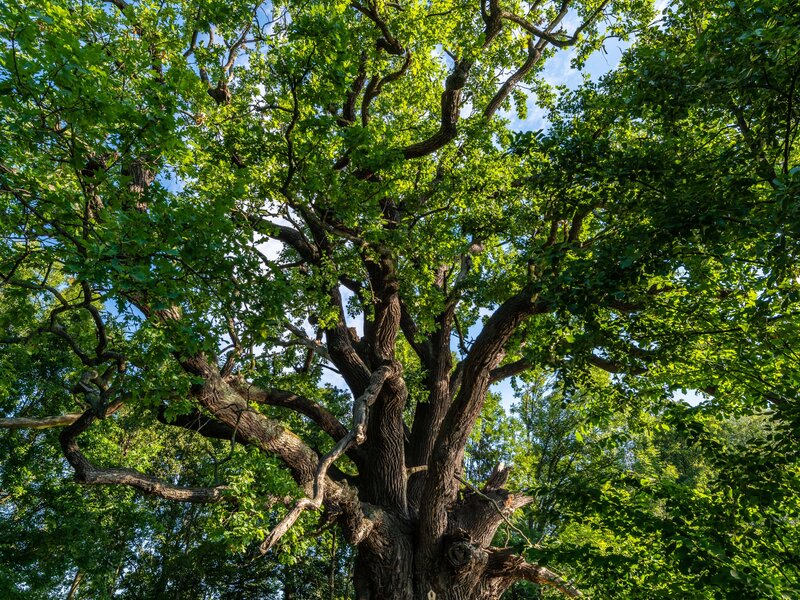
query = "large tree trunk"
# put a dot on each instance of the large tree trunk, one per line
(463, 570)
(421, 532)
(391, 565)
(391, 575)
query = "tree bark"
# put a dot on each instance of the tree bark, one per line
(76, 582)
(464, 565)
(463, 569)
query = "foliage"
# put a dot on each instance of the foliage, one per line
(230, 220)
(686, 504)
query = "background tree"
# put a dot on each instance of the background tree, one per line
(208, 207)
(682, 503)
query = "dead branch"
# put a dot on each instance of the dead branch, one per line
(356, 436)
(504, 563)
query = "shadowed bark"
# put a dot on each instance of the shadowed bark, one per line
(420, 530)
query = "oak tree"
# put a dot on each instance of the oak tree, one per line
(215, 213)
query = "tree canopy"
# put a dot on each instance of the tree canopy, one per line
(271, 274)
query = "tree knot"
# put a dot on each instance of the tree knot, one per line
(462, 553)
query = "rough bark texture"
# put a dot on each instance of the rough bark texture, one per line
(463, 565)
(420, 531)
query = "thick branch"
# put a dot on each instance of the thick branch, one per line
(303, 340)
(342, 352)
(120, 4)
(283, 233)
(86, 472)
(534, 54)
(385, 475)
(504, 564)
(376, 86)
(388, 42)
(544, 576)
(229, 407)
(487, 351)
(611, 366)
(349, 108)
(509, 370)
(339, 342)
(354, 437)
(428, 416)
(423, 348)
(451, 105)
(200, 423)
(275, 397)
(481, 512)
(438, 363)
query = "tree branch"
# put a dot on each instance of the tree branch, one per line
(339, 342)
(375, 87)
(451, 105)
(283, 233)
(226, 405)
(503, 563)
(314, 345)
(554, 39)
(423, 348)
(354, 437)
(388, 42)
(509, 370)
(87, 473)
(441, 487)
(51, 422)
(428, 416)
(611, 366)
(481, 512)
(534, 54)
(275, 397)
(202, 424)
(349, 107)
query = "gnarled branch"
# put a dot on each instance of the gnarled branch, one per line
(451, 105)
(275, 397)
(356, 436)
(388, 42)
(503, 563)
(87, 473)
